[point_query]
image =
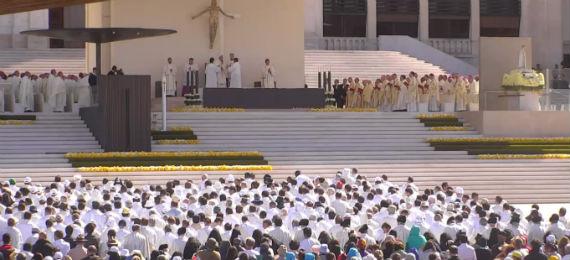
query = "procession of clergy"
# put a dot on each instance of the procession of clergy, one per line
(49, 92)
(446, 93)
(343, 217)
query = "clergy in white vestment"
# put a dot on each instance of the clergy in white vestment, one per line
(137, 241)
(268, 75)
(212, 74)
(26, 92)
(83, 91)
(235, 74)
(169, 74)
(58, 92)
(14, 88)
(223, 74)
(3, 86)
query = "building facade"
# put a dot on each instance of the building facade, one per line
(451, 26)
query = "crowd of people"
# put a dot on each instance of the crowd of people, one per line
(308, 218)
(447, 93)
(48, 92)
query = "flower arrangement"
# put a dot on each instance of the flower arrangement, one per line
(177, 142)
(449, 128)
(436, 117)
(178, 168)
(523, 80)
(16, 122)
(204, 110)
(334, 109)
(159, 155)
(522, 156)
(510, 140)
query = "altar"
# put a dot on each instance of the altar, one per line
(264, 98)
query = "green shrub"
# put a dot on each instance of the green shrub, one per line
(18, 117)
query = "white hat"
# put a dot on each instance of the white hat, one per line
(77, 177)
(231, 178)
(114, 249)
(459, 190)
(57, 256)
(27, 180)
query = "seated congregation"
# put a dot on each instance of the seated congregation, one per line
(446, 93)
(345, 217)
(48, 92)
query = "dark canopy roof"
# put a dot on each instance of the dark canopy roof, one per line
(99, 35)
(17, 6)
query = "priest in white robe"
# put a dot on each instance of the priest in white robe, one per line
(83, 91)
(268, 75)
(212, 74)
(235, 74)
(137, 241)
(14, 88)
(26, 92)
(169, 74)
(58, 92)
(3, 86)
(222, 75)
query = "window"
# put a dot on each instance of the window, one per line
(398, 17)
(500, 18)
(449, 18)
(344, 18)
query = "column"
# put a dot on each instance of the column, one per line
(423, 22)
(6, 26)
(371, 23)
(39, 20)
(475, 33)
(21, 23)
(542, 21)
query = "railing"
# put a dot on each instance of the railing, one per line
(455, 47)
(344, 43)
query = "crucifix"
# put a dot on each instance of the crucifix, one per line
(214, 10)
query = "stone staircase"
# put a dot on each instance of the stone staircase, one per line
(375, 143)
(69, 61)
(39, 148)
(316, 143)
(363, 64)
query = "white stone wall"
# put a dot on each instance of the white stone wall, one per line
(12, 24)
(541, 20)
(266, 29)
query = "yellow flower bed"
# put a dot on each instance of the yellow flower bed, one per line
(436, 116)
(177, 142)
(16, 122)
(335, 109)
(449, 128)
(512, 140)
(522, 156)
(201, 110)
(180, 129)
(158, 154)
(178, 168)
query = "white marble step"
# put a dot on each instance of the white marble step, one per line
(32, 156)
(35, 143)
(4, 161)
(36, 165)
(51, 150)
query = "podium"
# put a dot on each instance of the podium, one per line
(121, 120)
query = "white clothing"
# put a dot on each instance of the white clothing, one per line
(62, 246)
(26, 93)
(466, 252)
(235, 73)
(137, 241)
(169, 73)
(83, 92)
(212, 72)
(268, 77)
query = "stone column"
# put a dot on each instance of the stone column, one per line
(6, 26)
(21, 23)
(39, 20)
(371, 23)
(423, 22)
(475, 33)
(542, 21)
